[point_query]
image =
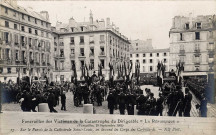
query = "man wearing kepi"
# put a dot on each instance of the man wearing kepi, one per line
(111, 102)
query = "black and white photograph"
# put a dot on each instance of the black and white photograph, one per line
(114, 58)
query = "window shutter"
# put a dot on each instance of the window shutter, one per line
(10, 39)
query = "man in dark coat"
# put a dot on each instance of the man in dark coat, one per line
(26, 101)
(51, 101)
(111, 102)
(129, 104)
(141, 105)
(187, 103)
(159, 105)
(63, 101)
(122, 103)
(152, 102)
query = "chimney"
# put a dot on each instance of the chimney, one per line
(45, 15)
(108, 22)
(91, 17)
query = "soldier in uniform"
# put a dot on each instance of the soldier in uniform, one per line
(187, 103)
(111, 102)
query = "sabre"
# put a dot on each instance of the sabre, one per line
(176, 107)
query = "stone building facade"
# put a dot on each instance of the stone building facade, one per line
(91, 43)
(25, 42)
(149, 59)
(192, 41)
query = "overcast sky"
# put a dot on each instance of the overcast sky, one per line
(136, 19)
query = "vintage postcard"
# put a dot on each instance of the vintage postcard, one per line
(107, 67)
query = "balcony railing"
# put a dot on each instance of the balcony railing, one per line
(91, 42)
(71, 43)
(197, 63)
(102, 53)
(16, 44)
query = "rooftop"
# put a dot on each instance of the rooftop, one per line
(28, 11)
(151, 50)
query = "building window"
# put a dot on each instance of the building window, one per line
(137, 55)
(62, 67)
(61, 52)
(91, 39)
(150, 54)
(137, 61)
(6, 24)
(30, 30)
(15, 26)
(82, 53)
(81, 28)
(151, 68)
(42, 23)
(91, 51)
(29, 19)
(72, 51)
(165, 60)
(35, 21)
(47, 25)
(143, 69)
(72, 40)
(136, 44)
(144, 61)
(187, 26)
(102, 51)
(42, 33)
(198, 25)
(82, 63)
(22, 28)
(102, 38)
(181, 36)
(23, 16)
(102, 63)
(8, 70)
(150, 60)
(36, 32)
(6, 37)
(197, 35)
(91, 64)
(72, 29)
(17, 55)
(82, 40)
(130, 55)
(144, 55)
(24, 70)
(157, 54)
(210, 34)
(165, 54)
(6, 10)
(14, 14)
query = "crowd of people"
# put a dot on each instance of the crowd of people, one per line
(119, 95)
